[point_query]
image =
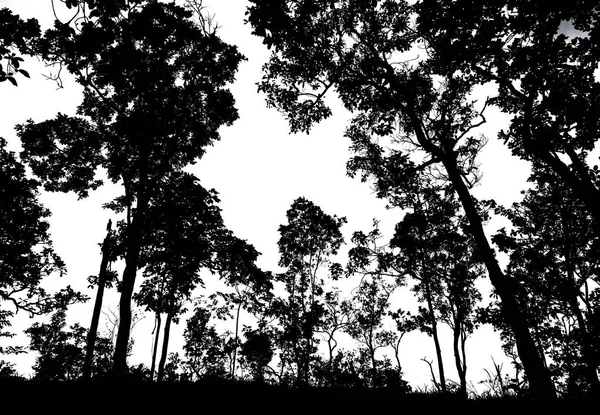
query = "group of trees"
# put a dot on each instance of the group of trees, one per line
(155, 78)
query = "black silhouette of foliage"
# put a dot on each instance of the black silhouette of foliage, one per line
(543, 58)
(204, 347)
(554, 259)
(257, 352)
(185, 235)
(155, 96)
(61, 350)
(306, 244)
(413, 116)
(16, 36)
(436, 252)
(26, 253)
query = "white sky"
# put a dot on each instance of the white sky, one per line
(258, 168)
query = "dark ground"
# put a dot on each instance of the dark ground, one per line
(27, 397)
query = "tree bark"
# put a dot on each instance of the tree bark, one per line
(93, 331)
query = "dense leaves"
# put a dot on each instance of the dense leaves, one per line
(155, 78)
(27, 256)
(16, 36)
(155, 96)
(414, 118)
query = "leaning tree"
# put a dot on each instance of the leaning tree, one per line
(411, 115)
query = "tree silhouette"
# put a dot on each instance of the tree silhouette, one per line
(411, 116)
(371, 299)
(435, 252)
(155, 96)
(183, 225)
(61, 350)
(306, 244)
(338, 316)
(204, 347)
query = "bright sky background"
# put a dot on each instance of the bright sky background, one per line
(258, 168)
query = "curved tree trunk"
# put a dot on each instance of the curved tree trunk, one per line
(461, 366)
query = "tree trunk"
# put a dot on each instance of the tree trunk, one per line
(155, 348)
(461, 367)
(129, 275)
(436, 339)
(134, 245)
(540, 382)
(235, 350)
(165, 346)
(93, 331)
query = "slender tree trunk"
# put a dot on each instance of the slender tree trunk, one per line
(155, 348)
(165, 346)
(235, 350)
(93, 331)
(129, 275)
(134, 243)
(436, 339)
(460, 362)
(540, 382)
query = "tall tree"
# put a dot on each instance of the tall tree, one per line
(154, 77)
(183, 223)
(411, 116)
(369, 259)
(433, 249)
(306, 245)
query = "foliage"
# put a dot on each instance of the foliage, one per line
(16, 35)
(257, 352)
(27, 256)
(155, 94)
(205, 349)
(544, 71)
(306, 244)
(61, 350)
(554, 260)
(414, 118)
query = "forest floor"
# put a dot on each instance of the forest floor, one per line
(28, 396)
